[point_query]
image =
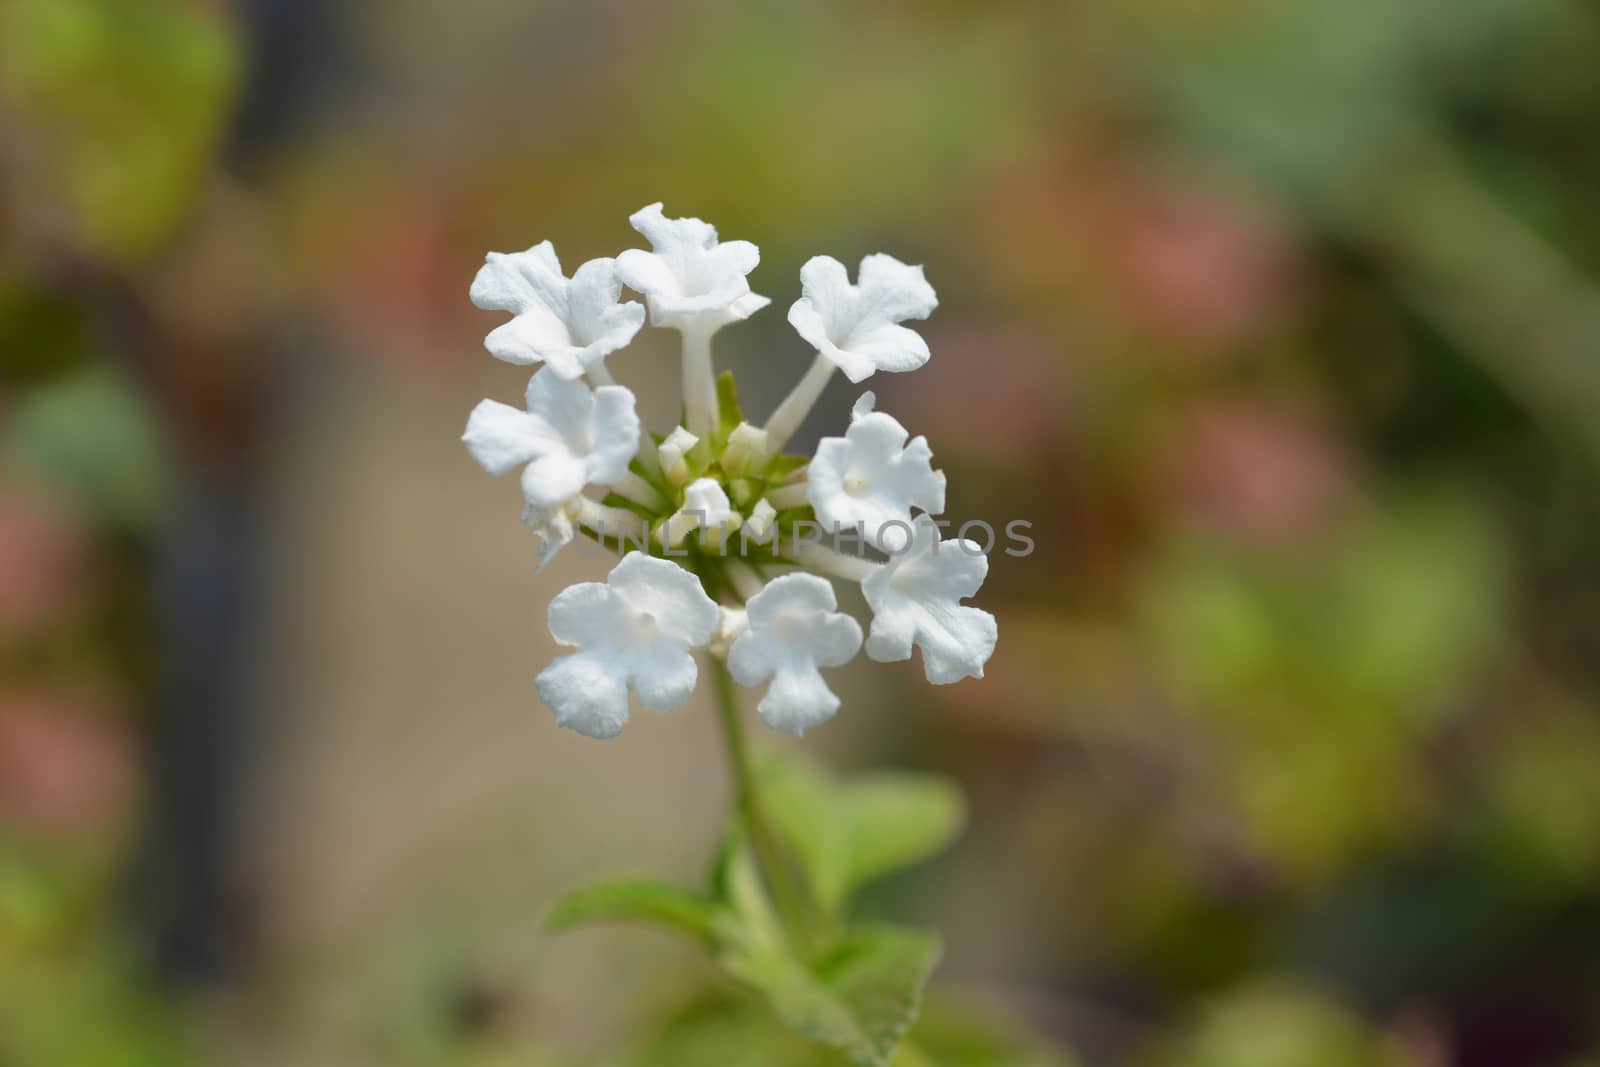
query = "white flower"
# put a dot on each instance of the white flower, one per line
(915, 599)
(568, 325)
(635, 629)
(856, 326)
(794, 628)
(706, 508)
(568, 437)
(871, 477)
(688, 276)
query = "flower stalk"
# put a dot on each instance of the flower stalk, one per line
(775, 872)
(699, 379)
(798, 404)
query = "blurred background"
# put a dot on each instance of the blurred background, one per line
(1278, 319)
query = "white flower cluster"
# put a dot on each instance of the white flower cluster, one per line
(679, 500)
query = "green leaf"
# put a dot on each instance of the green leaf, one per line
(860, 996)
(785, 464)
(847, 834)
(636, 901)
(729, 413)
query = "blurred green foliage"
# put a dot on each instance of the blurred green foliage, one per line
(116, 108)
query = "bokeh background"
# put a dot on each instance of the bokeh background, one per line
(1278, 319)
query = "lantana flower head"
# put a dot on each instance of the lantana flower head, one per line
(709, 515)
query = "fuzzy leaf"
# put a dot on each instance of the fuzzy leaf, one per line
(635, 901)
(847, 834)
(860, 996)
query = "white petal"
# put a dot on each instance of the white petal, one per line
(561, 404)
(533, 337)
(797, 701)
(553, 479)
(615, 434)
(856, 326)
(747, 305)
(790, 596)
(584, 614)
(915, 599)
(596, 318)
(896, 290)
(510, 282)
(672, 596)
(888, 348)
(835, 641)
(663, 674)
(587, 692)
(647, 273)
(500, 437)
(825, 284)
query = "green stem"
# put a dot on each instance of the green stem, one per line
(769, 858)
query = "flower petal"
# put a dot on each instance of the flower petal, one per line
(584, 614)
(889, 348)
(663, 674)
(500, 437)
(797, 701)
(553, 479)
(672, 596)
(615, 423)
(835, 640)
(896, 290)
(586, 693)
(510, 282)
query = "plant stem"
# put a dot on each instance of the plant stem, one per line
(797, 405)
(769, 858)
